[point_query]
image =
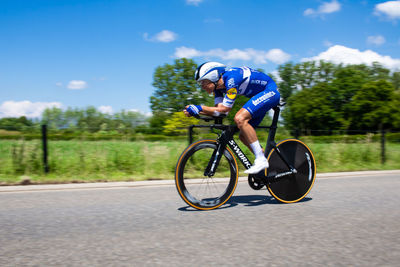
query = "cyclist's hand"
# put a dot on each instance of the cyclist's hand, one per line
(193, 110)
(185, 112)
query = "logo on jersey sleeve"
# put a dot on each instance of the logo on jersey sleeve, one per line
(231, 93)
(231, 83)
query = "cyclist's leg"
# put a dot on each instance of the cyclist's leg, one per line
(248, 136)
(241, 137)
(257, 107)
(247, 133)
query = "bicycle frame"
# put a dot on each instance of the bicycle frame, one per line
(226, 138)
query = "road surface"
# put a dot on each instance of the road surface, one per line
(345, 220)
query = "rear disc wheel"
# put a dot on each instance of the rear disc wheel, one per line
(294, 187)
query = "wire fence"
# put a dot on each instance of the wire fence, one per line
(38, 149)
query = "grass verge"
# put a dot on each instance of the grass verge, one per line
(90, 161)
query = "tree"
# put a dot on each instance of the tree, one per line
(395, 104)
(325, 71)
(348, 81)
(15, 124)
(378, 72)
(396, 80)
(176, 87)
(157, 121)
(311, 109)
(178, 123)
(131, 119)
(372, 106)
(92, 119)
(53, 117)
(303, 75)
(288, 84)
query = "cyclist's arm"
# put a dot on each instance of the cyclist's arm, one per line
(215, 111)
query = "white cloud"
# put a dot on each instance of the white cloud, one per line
(193, 2)
(309, 12)
(390, 9)
(25, 108)
(146, 114)
(59, 84)
(325, 8)
(105, 109)
(329, 7)
(376, 40)
(341, 54)
(164, 36)
(257, 56)
(77, 85)
(187, 52)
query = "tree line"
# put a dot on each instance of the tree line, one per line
(87, 119)
(321, 97)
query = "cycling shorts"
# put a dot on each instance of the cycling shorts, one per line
(259, 104)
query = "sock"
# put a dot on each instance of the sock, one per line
(257, 150)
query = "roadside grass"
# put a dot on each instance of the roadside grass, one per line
(337, 157)
(89, 161)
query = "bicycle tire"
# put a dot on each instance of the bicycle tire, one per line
(190, 180)
(294, 187)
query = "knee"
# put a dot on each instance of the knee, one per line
(240, 120)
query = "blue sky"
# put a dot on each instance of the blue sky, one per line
(104, 53)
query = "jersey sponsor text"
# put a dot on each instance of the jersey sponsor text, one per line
(263, 98)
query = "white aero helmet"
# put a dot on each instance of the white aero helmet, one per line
(209, 71)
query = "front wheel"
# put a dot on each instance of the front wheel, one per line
(296, 186)
(200, 191)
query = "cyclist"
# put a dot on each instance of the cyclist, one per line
(226, 84)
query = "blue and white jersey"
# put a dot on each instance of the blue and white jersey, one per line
(242, 81)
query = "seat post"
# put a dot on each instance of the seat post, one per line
(272, 131)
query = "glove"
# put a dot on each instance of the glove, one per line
(194, 110)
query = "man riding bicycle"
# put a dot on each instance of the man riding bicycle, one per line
(213, 77)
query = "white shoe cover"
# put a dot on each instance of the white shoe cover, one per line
(259, 165)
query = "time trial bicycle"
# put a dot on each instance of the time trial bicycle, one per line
(206, 174)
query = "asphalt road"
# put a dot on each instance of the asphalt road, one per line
(344, 221)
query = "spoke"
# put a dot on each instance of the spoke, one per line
(199, 188)
(215, 186)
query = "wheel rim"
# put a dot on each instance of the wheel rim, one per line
(199, 191)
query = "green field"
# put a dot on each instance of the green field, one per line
(84, 161)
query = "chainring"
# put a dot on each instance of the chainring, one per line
(255, 183)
